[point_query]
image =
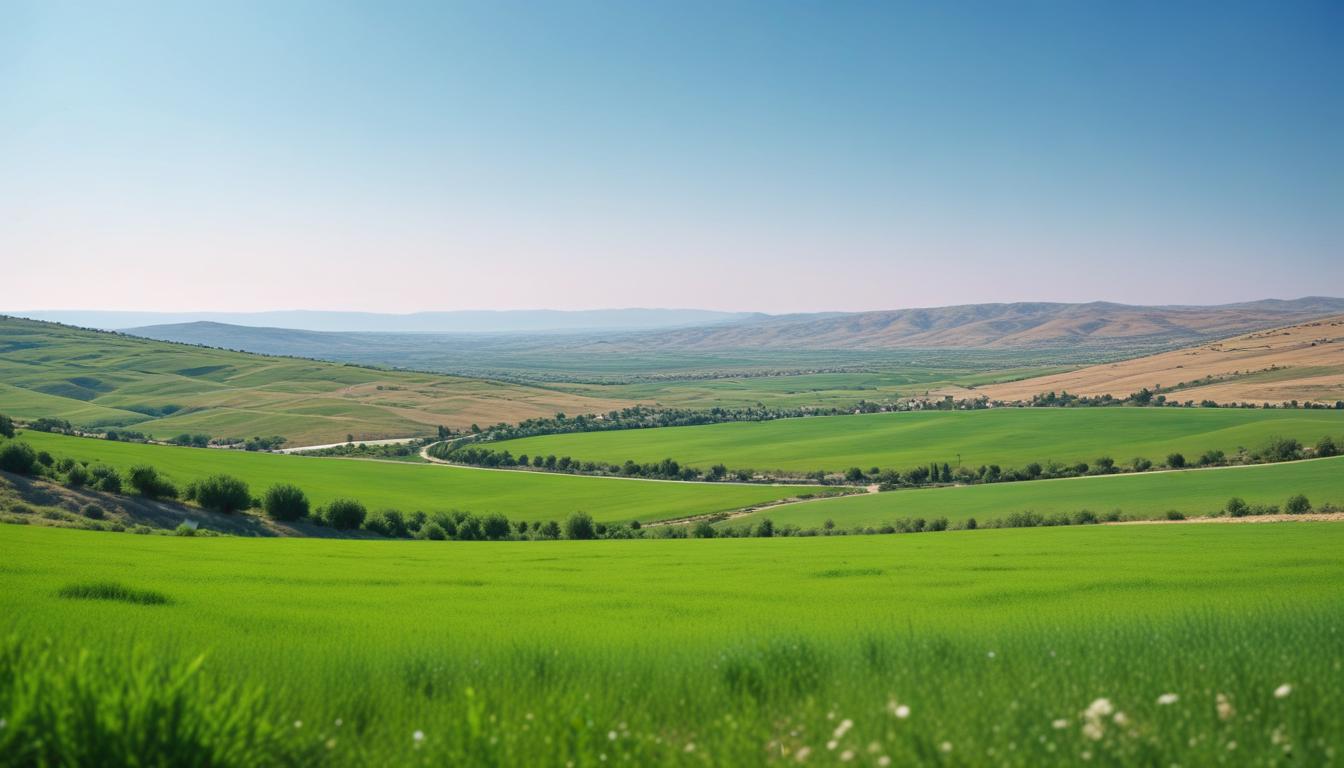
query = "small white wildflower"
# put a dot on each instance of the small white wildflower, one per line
(847, 755)
(843, 728)
(832, 744)
(1231, 745)
(884, 761)
(901, 712)
(946, 746)
(331, 743)
(1224, 707)
(298, 723)
(1282, 691)
(874, 747)
(991, 654)
(1060, 724)
(1121, 719)
(1099, 708)
(690, 746)
(1093, 730)
(1168, 698)
(339, 721)
(3, 723)
(418, 736)
(611, 735)
(802, 753)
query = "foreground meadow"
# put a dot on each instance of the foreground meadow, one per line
(1129, 645)
(426, 487)
(1011, 437)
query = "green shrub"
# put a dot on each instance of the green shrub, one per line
(149, 483)
(344, 514)
(19, 458)
(1281, 449)
(6, 426)
(92, 511)
(105, 479)
(185, 529)
(221, 493)
(1175, 460)
(1297, 505)
(495, 526)
(285, 502)
(703, 530)
(764, 529)
(550, 530)
(432, 531)
(579, 525)
(1326, 447)
(1174, 515)
(388, 522)
(77, 476)
(1236, 507)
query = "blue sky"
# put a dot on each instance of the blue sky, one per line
(783, 156)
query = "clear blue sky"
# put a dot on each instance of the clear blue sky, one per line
(781, 156)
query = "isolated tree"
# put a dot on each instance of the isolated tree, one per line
(764, 529)
(854, 474)
(1236, 507)
(6, 426)
(285, 502)
(579, 525)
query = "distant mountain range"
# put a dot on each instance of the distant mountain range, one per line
(1086, 332)
(464, 321)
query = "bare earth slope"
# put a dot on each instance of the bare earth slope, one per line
(1303, 362)
(1098, 325)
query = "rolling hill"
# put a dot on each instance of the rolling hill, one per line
(1102, 326)
(1303, 362)
(96, 379)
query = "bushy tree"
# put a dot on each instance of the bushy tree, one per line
(6, 426)
(285, 502)
(432, 532)
(221, 493)
(19, 458)
(764, 529)
(1326, 447)
(1236, 507)
(388, 522)
(345, 514)
(550, 530)
(1175, 460)
(1282, 449)
(579, 525)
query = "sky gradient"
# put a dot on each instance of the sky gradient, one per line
(783, 156)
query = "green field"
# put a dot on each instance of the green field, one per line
(97, 380)
(1009, 437)
(1144, 495)
(962, 648)
(427, 487)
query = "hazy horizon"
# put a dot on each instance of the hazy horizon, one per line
(729, 157)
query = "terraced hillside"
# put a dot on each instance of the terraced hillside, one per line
(95, 379)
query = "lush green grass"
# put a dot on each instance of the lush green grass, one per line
(426, 487)
(97, 380)
(1149, 494)
(719, 652)
(1009, 437)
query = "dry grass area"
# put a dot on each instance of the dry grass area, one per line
(1303, 362)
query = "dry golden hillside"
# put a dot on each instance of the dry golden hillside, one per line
(1303, 362)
